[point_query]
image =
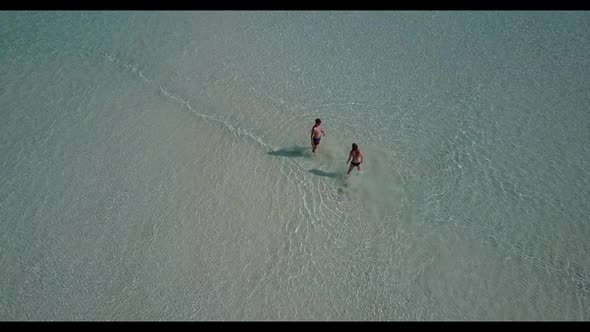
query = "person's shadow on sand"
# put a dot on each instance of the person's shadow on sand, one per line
(319, 172)
(292, 152)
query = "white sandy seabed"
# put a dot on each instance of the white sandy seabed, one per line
(157, 166)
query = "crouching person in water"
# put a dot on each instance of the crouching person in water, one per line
(357, 158)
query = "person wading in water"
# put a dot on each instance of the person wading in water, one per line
(316, 135)
(357, 158)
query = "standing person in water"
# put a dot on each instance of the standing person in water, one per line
(316, 135)
(357, 158)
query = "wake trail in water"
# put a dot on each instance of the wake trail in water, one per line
(235, 130)
(372, 190)
(301, 178)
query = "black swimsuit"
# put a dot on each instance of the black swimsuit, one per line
(353, 163)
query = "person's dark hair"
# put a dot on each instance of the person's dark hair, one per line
(318, 121)
(355, 147)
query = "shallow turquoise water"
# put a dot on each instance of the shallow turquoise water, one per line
(155, 165)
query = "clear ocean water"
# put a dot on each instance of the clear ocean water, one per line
(156, 166)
